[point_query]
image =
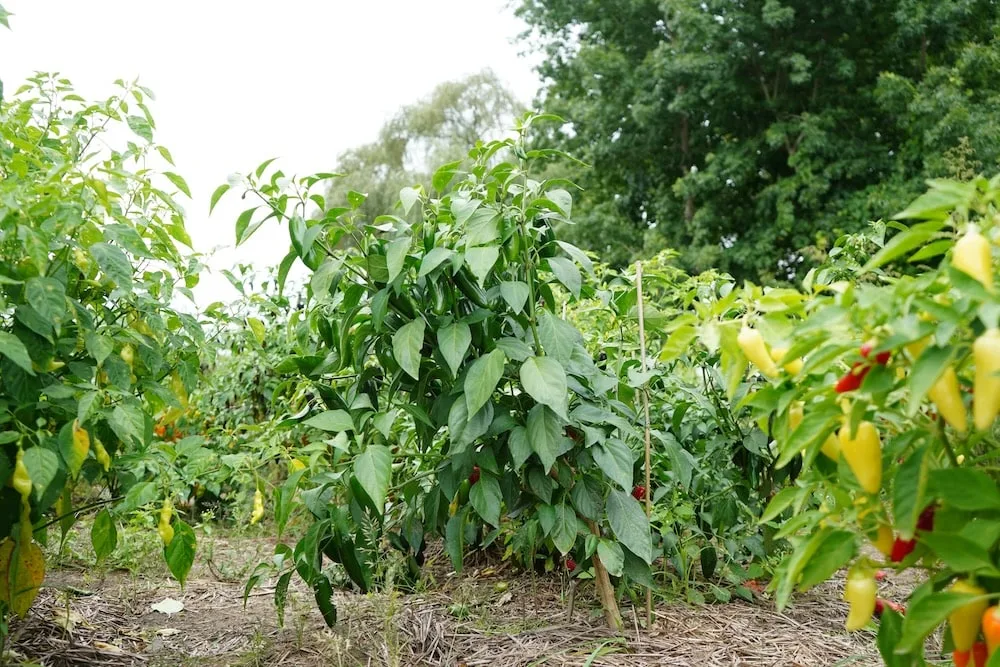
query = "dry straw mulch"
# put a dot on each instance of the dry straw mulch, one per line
(464, 621)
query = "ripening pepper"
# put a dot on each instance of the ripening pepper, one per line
(884, 539)
(965, 620)
(986, 390)
(101, 455)
(258, 507)
(901, 549)
(882, 358)
(853, 378)
(793, 366)
(164, 528)
(946, 396)
(796, 411)
(980, 654)
(21, 481)
(860, 592)
(753, 346)
(971, 255)
(991, 628)
(128, 355)
(863, 454)
(831, 447)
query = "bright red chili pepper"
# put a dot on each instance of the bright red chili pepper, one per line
(853, 378)
(882, 358)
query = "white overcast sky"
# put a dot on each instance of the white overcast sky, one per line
(239, 81)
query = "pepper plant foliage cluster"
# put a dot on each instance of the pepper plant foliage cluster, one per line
(90, 346)
(887, 389)
(447, 322)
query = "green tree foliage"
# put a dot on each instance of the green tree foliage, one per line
(432, 131)
(744, 133)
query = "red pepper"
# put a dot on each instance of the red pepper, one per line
(639, 492)
(474, 477)
(853, 379)
(902, 548)
(882, 358)
(570, 564)
(980, 654)
(926, 519)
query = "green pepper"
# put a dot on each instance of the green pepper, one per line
(402, 304)
(470, 288)
(512, 249)
(437, 297)
(547, 242)
(429, 237)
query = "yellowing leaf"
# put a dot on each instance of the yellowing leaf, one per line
(80, 449)
(22, 570)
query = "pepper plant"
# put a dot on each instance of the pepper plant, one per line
(885, 387)
(452, 397)
(91, 347)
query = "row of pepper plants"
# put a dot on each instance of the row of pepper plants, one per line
(885, 383)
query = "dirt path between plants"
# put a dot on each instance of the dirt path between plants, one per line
(486, 616)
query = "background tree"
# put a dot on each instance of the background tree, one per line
(432, 131)
(745, 132)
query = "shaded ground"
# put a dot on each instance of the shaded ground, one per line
(486, 616)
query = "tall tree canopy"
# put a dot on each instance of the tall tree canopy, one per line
(742, 132)
(430, 132)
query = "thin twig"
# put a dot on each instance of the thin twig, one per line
(645, 409)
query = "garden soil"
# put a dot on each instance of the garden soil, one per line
(488, 615)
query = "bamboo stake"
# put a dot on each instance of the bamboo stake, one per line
(645, 409)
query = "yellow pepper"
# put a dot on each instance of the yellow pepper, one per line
(948, 399)
(258, 507)
(753, 346)
(164, 528)
(793, 366)
(884, 539)
(965, 620)
(795, 413)
(860, 592)
(101, 455)
(971, 255)
(128, 355)
(986, 394)
(863, 454)
(21, 480)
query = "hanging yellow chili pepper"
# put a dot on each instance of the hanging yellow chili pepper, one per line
(164, 528)
(863, 454)
(965, 620)
(753, 346)
(860, 592)
(986, 390)
(946, 396)
(971, 255)
(258, 507)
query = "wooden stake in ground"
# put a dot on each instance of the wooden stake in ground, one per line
(605, 591)
(645, 409)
